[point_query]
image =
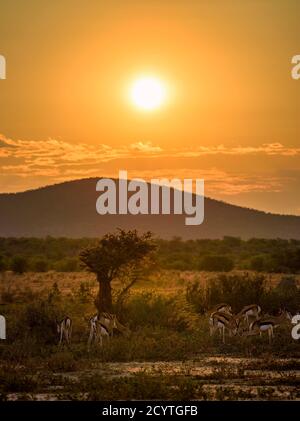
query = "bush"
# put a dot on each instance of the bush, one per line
(3, 264)
(236, 290)
(258, 264)
(239, 290)
(196, 294)
(62, 361)
(40, 265)
(8, 294)
(84, 293)
(38, 319)
(286, 295)
(216, 263)
(150, 309)
(69, 264)
(19, 264)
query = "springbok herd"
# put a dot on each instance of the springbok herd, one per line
(249, 321)
(100, 325)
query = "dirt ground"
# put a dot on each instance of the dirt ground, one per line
(221, 378)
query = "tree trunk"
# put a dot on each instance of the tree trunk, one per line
(104, 299)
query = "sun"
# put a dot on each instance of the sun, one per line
(148, 93)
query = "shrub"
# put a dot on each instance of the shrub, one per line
(150, 309)
(286, 295)
(38, 320)
(62, 361)
(216, 263)
(8, 294)
(69, 264)
(3, 264)
(239, 290)
(19, 264)
(40, 265)
(258, 264)
(84, 293)
(196, 294)
(236, 290)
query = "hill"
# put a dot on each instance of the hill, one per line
(69, 210)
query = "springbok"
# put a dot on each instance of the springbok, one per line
(223, 307)
(103, 324)
(99, 332)
(109, 321)
(64, 330)
(221, 321)
(250, 310)
(268, 324)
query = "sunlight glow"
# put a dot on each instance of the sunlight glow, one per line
(148, 93)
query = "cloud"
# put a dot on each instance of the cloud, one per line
(57, 152)
(265, 149)
(145, 147)
(56, 160)
(217, 180)
(26, 164)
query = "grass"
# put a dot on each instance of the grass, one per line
(165, 281)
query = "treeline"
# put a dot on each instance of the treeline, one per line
(261, 255)
(41, 254)
(61, 254)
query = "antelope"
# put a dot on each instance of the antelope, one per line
(103, 324)
(111, 322)
(250, 310)
(223, 307)
(96, 330)
(100, 331)
(289, 315)
(222, 321)
(64, 330)
(268, 324)
(108, 320)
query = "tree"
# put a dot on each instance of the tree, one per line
(121, 252)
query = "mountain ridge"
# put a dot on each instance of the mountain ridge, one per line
(68, 209)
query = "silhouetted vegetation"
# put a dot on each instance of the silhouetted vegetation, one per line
(62, 254)
(115, 255)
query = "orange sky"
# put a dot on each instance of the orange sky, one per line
(232, 116)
